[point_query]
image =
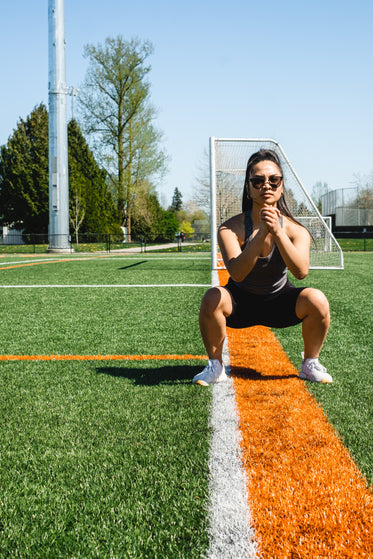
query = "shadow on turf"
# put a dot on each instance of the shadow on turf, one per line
(178, 374)
(132, 265)
(252, 374)
(159, 375)
(166, 265)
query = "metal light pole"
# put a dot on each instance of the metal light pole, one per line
(73, 92)
(58, 161)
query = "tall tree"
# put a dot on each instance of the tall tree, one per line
(143, 157)
(92, 209)
(115, 107)
(177, 201)
(24, 182)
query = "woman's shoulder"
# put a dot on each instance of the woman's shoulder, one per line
(232, 231)
(294, 229)
(234, 223)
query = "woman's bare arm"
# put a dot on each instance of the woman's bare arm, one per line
(239, 262)
(292, 240)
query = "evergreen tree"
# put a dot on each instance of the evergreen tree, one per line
(24, 183)
(170, 225)
(177, 201)
(92, 208)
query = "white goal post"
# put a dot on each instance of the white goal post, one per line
(228, 161)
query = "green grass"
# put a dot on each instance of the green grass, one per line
(103, 460)
(110, 459)
(102, 321)
(187, 248)
(356, 244)
(101, 271)
(23, 249)
(102, 247)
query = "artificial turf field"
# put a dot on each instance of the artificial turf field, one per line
(110, 457)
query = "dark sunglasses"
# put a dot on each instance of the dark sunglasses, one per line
(274, 181)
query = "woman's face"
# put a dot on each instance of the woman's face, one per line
(266, 183)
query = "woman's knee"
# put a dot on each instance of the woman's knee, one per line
(213, 300)
(312, 301)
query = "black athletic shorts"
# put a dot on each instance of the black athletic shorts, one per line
(276, 311)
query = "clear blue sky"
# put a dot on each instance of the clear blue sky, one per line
(299, 72)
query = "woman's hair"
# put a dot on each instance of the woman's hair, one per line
(264, 155)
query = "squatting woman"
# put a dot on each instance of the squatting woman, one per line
(258, 246)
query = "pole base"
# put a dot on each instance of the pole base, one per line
(66, 250)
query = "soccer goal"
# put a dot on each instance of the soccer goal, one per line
(228, 161)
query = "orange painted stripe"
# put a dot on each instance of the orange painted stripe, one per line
(308, 498)
(167, 357)
(32, 264)
(54, 261)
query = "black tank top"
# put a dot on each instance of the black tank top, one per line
(269, 274)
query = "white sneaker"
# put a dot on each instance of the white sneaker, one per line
(213, 372)
(313, 371)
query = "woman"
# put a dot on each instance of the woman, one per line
(258, 246)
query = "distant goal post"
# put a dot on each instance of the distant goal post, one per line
(228, 160)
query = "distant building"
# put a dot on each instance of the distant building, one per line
(9, 236)
(347, 211)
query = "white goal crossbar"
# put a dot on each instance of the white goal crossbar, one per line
(228, 161)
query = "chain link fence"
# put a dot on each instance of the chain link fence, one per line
(33, 243)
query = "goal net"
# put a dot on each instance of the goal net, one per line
(228, 161)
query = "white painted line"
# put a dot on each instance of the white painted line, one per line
(126, 285)
(147, 257)
(230, 524)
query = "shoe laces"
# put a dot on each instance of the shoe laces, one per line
(314, 364)
(214, 367)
